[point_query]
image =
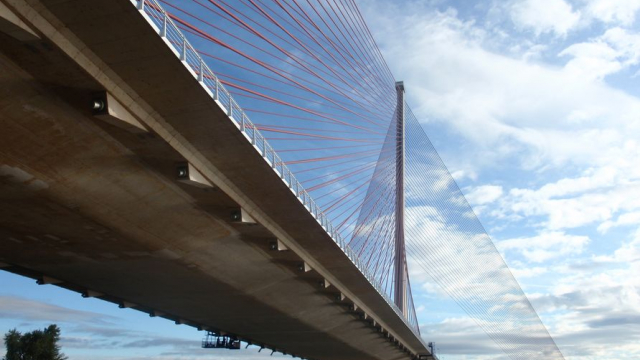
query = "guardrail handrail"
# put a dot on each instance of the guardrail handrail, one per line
(167, 29)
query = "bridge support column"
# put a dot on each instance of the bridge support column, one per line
(400, 266)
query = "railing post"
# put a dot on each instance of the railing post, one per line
(253, 136)
(201, 75)
(163, 32)
(183, 56)
(242, 121)
(230, 111)
(141, 5)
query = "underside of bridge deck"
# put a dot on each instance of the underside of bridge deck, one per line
(94, 207)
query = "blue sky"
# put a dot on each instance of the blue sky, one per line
(534, 107)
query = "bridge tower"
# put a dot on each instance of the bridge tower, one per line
(400, 266)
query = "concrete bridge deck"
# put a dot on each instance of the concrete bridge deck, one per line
(94, 207)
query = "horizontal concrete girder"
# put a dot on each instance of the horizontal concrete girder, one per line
(11, 25)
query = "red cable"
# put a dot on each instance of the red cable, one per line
(265, 65)
(323, 148)
(371, 164)
(278, 91)
(328, 210)
(294, 58)
(304, 14)
(329, 158)
(309, 111)
(360, 38)
(321, 46)
(294, 85)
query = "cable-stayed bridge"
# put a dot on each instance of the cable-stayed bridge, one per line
(247, 167)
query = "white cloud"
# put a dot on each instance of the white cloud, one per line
(461, 336)
(484, 194)
(630, 253)
(626, 43)
(545, 16)
(626, 219)
(545, 114)
(622, 12)
(528, 272)
(564, 213)
(615, 50)
(546, 246)
(595, 197)
(593, 313)
(13, 307)
(593, 60)
(459, 175)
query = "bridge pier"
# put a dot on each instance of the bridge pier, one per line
(400, 266)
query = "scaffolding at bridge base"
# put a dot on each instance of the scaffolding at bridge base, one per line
(216, 341)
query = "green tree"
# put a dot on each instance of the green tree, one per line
(34, 345)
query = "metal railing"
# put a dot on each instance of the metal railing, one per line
(173, 36)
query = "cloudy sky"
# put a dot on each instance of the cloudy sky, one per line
(534, 107)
